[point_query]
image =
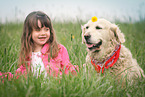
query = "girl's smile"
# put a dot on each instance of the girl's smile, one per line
(42, 38)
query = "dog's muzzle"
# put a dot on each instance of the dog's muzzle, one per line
(94, 46)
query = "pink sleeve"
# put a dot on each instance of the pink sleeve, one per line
(20, 71)
(9, 75)
(6, 75)
(66, 63)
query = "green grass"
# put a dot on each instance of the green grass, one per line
(85, 84)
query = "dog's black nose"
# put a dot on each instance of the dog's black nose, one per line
(87, 36)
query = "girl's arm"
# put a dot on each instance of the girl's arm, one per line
(20, 71)
(66, 63)
(8, 75)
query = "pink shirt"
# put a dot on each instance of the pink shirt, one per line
(55, 67)
(58, 64)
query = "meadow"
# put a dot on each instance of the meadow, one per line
(84, 84)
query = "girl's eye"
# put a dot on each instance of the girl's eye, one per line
(97, 27)
(87, 27)
(47, 29)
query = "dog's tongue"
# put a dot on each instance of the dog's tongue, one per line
(89, 45)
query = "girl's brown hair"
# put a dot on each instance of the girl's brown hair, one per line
(27, 45)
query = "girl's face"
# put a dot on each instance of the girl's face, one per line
(40, 37)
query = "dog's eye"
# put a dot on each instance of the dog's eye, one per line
(97, 27)
(87, 27)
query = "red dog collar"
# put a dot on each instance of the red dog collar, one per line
(109, 62)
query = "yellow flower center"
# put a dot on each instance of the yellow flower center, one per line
(94, 19)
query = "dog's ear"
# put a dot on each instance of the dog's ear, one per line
(117, 33)
(83, 32)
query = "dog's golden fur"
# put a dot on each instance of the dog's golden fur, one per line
(109, 35)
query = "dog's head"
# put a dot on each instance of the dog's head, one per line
(98, 33)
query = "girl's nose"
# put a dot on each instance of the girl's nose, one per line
(42, 31)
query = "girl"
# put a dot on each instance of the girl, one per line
(40, 52)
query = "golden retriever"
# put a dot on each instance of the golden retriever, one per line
(105, 50)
